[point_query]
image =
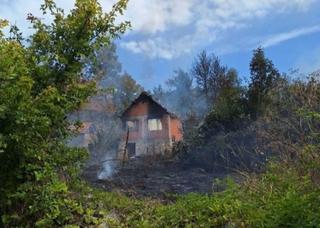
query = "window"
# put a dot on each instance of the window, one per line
(132, 125)
(154, 125)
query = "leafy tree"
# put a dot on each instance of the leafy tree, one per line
(218, 77)
(181, 93)
(230, 103)
(159, 94)
(127, 91)
(40, 84)
(209, 75)
(181, 81)
(119, 86)
(181, 96)
(263, 77)
(202, 72)
(105, 66)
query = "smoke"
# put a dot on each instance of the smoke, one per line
(102, 127)
(100, 134)
(106, 172)
(108, 168)
(182, 97)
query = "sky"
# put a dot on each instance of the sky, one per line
(168, 34)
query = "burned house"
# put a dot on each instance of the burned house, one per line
(148, 128)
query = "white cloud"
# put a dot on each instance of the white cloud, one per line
(281, 37)
(150, 48)
(171, 28)
(159, 47)
(152, 16)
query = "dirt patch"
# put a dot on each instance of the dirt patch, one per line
(157, 179)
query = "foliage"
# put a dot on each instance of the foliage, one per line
(128, 90)
(182, 98)
(286, 195)
(230, 104)
(264, 77)
(281, 197)
(105, 66)
(180, 86)
(44, 81)
(202, 72)
(40, 84)
(210, 75)
(111, 80)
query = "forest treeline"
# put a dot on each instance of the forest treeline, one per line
(267, 129)
(230, 125)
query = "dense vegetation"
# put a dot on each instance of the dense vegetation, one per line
(41, 83)
(271, 126)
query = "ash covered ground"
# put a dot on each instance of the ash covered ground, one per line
(157, 179)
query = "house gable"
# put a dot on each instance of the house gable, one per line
(149, 128)
(145, 105)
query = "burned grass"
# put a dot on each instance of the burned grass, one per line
(157, 179)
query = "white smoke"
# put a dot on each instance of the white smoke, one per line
(106, 172)
(107, 169)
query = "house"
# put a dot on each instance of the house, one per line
(85, 136)
(148, 128)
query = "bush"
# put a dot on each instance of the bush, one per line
(40, 84)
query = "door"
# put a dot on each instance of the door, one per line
(131, 150)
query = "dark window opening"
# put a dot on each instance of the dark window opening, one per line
(131, 150)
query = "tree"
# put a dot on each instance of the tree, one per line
(209, 75)
(230, 103)
(119, 86)
(106, 66)
(40, 84)
(201, 71)
(159, 94)
(127, 91)
(263, 77)
(218, 77)
(181, 93)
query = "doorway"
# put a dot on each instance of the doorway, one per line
(131, 150)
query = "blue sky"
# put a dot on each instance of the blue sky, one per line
(168, 34)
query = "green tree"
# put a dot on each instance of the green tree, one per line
(263, 77)
(40, 84)
(159, 94)
(127, 91)
(201, 71)
(209, 75)
(181, 93)
(111, 80)
(105, 67)
(230, 103)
